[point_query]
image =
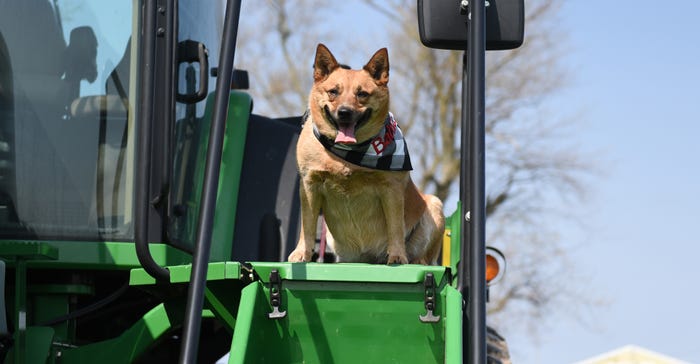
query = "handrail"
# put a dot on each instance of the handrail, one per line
(472, 267)
(143, 147)
(195, 294)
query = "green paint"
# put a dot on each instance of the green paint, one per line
(350, 272)
(192, 163)
(453, 325)
(130, 344)
(181, 273)
(240, 105)
(38, 348)
(27, 250)
(98, 255)
(345, 313)
(454, 224)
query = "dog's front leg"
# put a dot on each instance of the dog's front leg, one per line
(393, 206)
(310, 209)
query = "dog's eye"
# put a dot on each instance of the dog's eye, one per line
(333, 93)
(362, 94)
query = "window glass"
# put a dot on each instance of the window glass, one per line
(66, 142)
(201, 22)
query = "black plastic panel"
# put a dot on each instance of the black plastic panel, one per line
(442, 26)
(267, 215)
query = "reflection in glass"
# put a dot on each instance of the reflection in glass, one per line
(65, 125)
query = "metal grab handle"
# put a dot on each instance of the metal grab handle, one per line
(143, 149)
(191, 51)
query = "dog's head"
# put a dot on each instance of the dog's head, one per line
(349, 106)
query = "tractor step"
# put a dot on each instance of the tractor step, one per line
(347, 313)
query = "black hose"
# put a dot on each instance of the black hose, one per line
(87, 309)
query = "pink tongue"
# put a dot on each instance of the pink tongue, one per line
(346, 135)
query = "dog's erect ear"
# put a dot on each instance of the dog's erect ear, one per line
(378, 66)
(324, 64)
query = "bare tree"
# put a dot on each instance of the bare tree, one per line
(531, 157)
(278, 52)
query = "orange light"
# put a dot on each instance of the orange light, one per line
(495, 265)
(492, 268)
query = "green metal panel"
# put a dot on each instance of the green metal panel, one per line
(453, 325)
(223, 303)
(221, 294)
(350, 272)
(19, 253)
(27, 250)
(249, 312)
(38, 348)
(132, 343)
(48, 301)
(96, 255)
(181, 273)
(240, 105)
(453, 222)
(231, 163)
(346, 313)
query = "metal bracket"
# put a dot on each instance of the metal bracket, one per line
(429, 300)
(276, 296)
(464, 6)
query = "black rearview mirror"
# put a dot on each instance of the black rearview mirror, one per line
(443, 26)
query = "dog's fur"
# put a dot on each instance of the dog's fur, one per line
(375, 216)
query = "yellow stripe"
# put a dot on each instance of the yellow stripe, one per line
(446, 248)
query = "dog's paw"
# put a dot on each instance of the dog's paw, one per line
(299, 256)
(397, 259)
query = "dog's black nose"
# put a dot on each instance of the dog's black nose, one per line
(344, 113)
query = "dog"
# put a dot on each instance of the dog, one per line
(354, 168)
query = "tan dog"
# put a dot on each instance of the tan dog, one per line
(354, 164)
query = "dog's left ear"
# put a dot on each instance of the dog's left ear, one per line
(324, 63)
(378, 66)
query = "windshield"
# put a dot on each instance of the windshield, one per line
(66, 141)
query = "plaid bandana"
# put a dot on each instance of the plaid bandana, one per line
(386, 151)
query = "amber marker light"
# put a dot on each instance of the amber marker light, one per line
(495, 265)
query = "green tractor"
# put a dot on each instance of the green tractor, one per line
(146, 212)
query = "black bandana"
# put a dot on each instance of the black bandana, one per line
(386, 151)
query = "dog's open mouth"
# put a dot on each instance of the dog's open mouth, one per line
(346, 130)
(346, 134)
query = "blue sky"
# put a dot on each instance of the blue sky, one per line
(636, 78)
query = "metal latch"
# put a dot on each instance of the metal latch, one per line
(429, 300)
(276, 296)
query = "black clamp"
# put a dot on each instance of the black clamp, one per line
(276, 296)
(429, 300)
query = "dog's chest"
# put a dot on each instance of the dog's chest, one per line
(352, 207)
(346, 184)
(349, 194)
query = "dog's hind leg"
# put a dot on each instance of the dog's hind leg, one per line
(426, 239)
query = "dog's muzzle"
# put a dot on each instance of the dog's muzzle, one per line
(345, 117)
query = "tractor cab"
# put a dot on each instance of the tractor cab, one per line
(70, 91)
(145, 209)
